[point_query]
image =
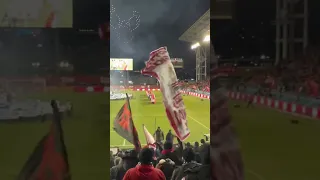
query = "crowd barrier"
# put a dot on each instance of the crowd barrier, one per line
(196, 94)
(289, 107)
(63, 80)
(288, 96)
(107, 89)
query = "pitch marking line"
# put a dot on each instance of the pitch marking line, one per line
(258, 176)
(198, 122)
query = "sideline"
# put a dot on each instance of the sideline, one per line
(198, 122)
(258, 176)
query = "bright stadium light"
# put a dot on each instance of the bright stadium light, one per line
(206, 38)
(194, 46)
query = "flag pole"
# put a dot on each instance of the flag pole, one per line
(128, 101)
(155, 123)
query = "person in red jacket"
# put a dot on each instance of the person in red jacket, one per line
(144, 170)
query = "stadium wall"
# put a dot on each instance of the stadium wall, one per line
(65, 80)
(283, 106)
(107, 88)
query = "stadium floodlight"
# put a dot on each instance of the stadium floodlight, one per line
(194, 46)
(206, 38)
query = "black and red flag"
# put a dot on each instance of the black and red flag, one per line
(49, 160)
(124, 126)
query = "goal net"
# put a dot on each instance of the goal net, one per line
(23, 87)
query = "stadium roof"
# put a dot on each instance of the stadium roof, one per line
(198, 30)
(222, 9)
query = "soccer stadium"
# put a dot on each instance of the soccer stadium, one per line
(169, 113)
(151, 112)
(26, 113)
(273, 103)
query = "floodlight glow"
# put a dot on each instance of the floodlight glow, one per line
(206, 38)
(194, 46)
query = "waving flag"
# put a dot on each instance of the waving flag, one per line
(149, 138)
(160, 66)
(150, 141)
(49, 159)
(124, 126)
(226, 160)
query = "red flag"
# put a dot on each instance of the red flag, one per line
(49, 160)
(124, 126)
(160, 66)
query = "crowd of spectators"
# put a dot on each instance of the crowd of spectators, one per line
(196, 86)
(167, 161)
(301, 76)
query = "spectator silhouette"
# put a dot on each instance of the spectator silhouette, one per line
(169, 153)
(189, 158)
(128, 161)
(144, 170)
(167, 166)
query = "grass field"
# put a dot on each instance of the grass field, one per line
(86, 138)
(153, 115)
(273, 148)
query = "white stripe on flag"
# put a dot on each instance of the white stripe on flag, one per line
(149, 138)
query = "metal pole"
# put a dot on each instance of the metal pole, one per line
(278, 31)
(197, 63)
(291, 30)
(285, 30)
(305, 25)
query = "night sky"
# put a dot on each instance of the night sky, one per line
(20, 47)
(88, 14)
(162, 23)
(252, 33)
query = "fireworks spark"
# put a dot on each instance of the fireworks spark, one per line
(124, 29)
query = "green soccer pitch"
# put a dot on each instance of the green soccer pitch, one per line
(272, 147)
(154, 115)
(275, 149)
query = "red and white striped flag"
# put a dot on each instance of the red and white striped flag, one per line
(149, 138)
(160, 66)
(151, 143)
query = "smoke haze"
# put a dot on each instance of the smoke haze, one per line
(162, 22)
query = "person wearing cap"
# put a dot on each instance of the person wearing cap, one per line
(169, 153)
(129, 160)
(167, 166)
(144, 170)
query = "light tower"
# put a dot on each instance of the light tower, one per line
(199, 35)
(202, 55)
(288, 20)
